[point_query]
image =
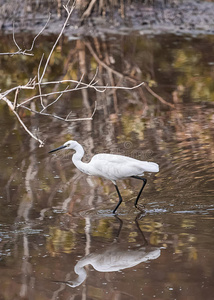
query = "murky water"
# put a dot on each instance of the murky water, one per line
(56, 224)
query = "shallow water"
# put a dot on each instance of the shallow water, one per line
(55, 221)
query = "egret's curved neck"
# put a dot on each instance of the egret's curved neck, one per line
(80, 271)
(76, 158)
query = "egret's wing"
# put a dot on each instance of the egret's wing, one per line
(114, 158)
(115, 167)
(144, 166)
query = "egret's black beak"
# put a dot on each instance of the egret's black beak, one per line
(59, 148)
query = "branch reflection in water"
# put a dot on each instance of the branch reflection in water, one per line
(118, 256)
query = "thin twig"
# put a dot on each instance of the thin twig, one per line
(15, 99)
(54, 100)
(9, 103)
(100, 89)
(57, 40)
(93, 78)
(33, 42)
(25, 51)
(20, 87)
(16, 53)
(26, 129)
(67, 117)
(14, 40)
(58, 117)
(80, 81)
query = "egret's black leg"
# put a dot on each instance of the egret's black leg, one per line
(144, 183)
(120, 199)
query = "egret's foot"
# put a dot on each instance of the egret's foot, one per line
(141, 207)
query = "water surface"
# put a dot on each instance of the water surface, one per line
(55, 220)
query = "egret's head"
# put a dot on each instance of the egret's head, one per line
(70, 144)
(67, 145)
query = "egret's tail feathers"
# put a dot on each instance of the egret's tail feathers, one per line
(151, 167)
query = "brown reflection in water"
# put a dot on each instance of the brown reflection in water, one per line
(40, 242)
(115, 257)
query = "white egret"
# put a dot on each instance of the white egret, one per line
(111, 166)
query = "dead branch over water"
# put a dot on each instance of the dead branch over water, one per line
(39, 83)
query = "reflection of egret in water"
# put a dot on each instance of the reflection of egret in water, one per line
(114, 258)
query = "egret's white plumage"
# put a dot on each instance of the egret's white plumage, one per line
(116, 167)
(110, 166)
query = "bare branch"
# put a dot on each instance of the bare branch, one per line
(20, 87)
(15, 99)
(54, 100)
(33, 42)
(61, 118)
(99, 89)
(16, 53)
(72, 85)
(28, 131)
(9, 103)
(25, 51)
(69, 12)
(14, 40)
(79, 82)
(93, 78)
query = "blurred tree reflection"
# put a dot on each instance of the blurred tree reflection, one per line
(180, 139)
